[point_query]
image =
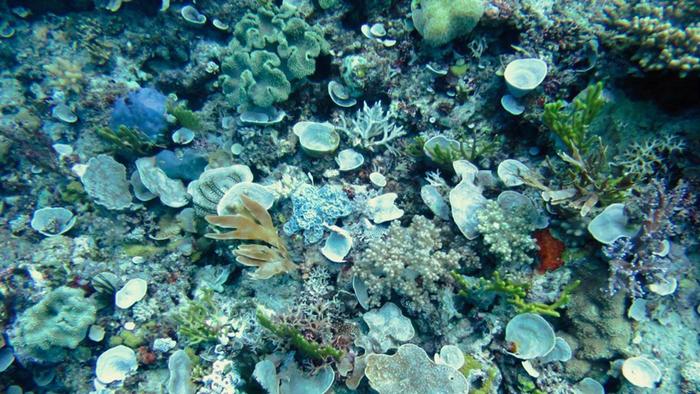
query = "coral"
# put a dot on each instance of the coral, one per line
(409, 262)
(663, 34)
(197, 319)
(315, 208)
(550, 251)
(441, 21)
(637, 261)
(299, 342)
(588, 169)
(127, 141)
(371, 127)
(507, 236)
(516, 293)
(410, 370)
(59, 322)
(255, 224)
(143, 110)
(66, 75)
(271, 49)
(105, 181)
(185, 117)
(649, 157)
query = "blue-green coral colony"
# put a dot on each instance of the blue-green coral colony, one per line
(336, 196)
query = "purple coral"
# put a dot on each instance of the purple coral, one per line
(635, 261)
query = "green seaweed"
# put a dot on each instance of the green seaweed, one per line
(309, 349)
(127, 140)
(470, 364)
(196, 318)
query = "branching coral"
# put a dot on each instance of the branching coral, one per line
(372, 128)
(644, 159)
(409, 262)
(507, 236)
(255, 224)
(196, 321)
(664, 35)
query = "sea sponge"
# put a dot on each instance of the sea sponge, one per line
(441, 21)
(45, 332)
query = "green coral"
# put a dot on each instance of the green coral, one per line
(197, 320)
(185, 117)
(59, 322)
(588, 170)
(309, 349)
(441, 21)
(516, 293)
(271, 50)
(471, 365)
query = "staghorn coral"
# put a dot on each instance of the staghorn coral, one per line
(409, 262)
(255, 224)
(663, 34)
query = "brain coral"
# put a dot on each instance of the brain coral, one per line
(270, 51)
(57, 323)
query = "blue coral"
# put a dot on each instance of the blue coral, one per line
(315, 207)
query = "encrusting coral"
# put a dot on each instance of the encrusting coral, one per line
(255, 224)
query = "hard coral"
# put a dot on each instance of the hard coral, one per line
(550, 251)
(441, 21)
(255, 224)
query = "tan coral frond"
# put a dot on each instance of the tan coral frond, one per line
(255, 224)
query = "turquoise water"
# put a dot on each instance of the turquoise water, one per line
(329, 196)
